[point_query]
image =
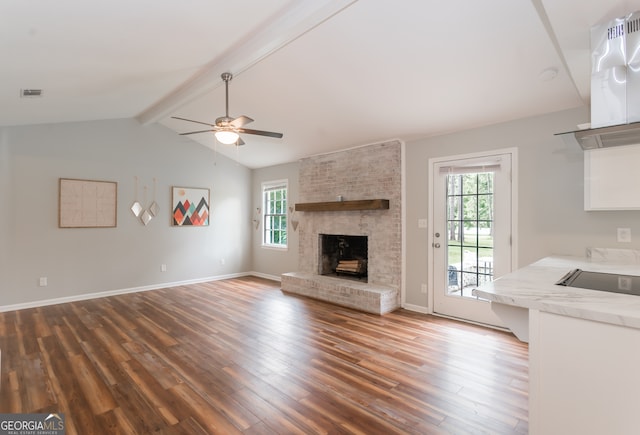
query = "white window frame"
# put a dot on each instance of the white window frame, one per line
(271, 186)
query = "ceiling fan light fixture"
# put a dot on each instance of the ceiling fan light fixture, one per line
(227, 137)
(226, 128)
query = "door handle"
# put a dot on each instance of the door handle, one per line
(436, 245)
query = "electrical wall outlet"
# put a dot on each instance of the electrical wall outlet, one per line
(163, 268)
(43, 281)
(624, 235)
(423, 289)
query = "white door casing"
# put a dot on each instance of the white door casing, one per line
(449, 300)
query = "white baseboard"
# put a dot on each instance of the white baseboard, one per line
(266, 276)
(471, 322)
(87, 296)
(417, 308)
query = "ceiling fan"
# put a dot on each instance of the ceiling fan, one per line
(226, 129)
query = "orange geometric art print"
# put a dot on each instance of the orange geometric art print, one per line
(190, 206)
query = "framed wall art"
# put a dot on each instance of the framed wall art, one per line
(189, 206)
(87, 203)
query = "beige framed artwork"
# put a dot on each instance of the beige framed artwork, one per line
(87, 203)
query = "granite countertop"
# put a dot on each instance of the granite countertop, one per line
(534, 287)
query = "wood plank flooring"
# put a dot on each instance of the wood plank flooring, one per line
(239, 356)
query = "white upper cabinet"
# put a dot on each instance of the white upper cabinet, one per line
(612, 178)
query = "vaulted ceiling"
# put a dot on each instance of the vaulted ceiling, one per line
(328, 74)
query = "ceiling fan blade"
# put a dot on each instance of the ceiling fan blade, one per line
(191, 120)
(195, 132)
(240, 121)
(259, 132)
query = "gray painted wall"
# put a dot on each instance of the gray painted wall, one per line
(269, 261)
(551, 217)
(83, 261)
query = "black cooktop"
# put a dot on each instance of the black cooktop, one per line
(607, 282)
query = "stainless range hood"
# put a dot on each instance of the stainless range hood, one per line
(605, 137)
(615, 85)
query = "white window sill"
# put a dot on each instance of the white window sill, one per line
(276, 247)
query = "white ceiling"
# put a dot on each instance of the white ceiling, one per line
(328, 74)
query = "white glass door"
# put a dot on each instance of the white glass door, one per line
(471, 240)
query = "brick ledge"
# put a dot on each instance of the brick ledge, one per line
(371, 298)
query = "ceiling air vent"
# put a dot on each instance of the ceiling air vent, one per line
(31, 93)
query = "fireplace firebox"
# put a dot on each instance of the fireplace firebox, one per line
(344, 256)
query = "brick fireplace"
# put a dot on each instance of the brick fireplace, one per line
(369, 172)
(343, 255)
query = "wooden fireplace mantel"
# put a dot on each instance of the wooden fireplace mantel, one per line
(362, 204)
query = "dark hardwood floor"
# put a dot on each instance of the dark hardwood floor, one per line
(240, 356)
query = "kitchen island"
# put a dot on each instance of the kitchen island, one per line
(584, 345)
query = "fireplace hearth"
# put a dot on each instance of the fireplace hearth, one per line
(343, 256)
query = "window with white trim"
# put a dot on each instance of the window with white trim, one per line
(274, 206)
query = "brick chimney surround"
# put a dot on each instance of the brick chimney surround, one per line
(364, 173)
